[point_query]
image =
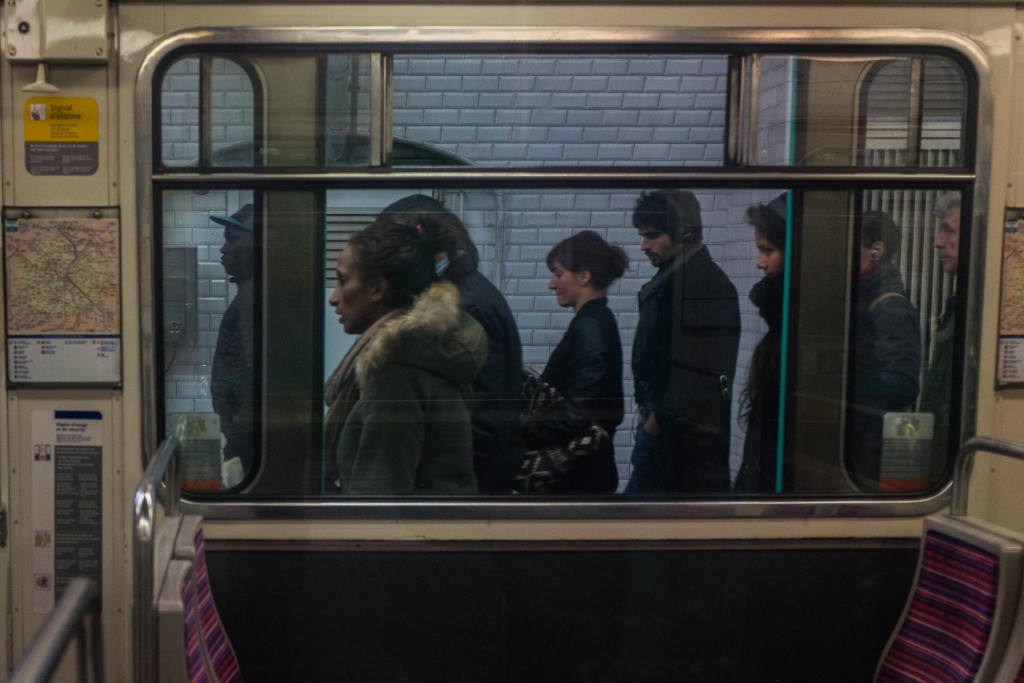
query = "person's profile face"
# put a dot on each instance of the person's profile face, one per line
(770, 259)
(566, 285)
(353, 299)
(236, 252)
(657, 246)
(947, 240)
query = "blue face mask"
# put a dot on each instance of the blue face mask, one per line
(441, 266)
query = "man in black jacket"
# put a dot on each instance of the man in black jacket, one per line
(684, 353)
(498, 387)
(232, 379)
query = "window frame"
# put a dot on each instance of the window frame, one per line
(970, 179)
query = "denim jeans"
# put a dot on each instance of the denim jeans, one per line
(646, 474)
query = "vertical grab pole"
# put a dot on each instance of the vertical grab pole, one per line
(163, 465)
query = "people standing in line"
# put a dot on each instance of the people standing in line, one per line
(399, 394)
(684, 353)
(586, 366)
(938, 381)
(231, 382)
(760, 401)
(887, 349)
(497, 388)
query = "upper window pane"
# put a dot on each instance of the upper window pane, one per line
(564, 110)
(856, 111)
(224, 91)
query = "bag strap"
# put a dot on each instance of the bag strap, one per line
(882, 297)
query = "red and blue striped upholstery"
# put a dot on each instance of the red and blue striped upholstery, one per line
(222, 656)
(194, 663)
(946, 629)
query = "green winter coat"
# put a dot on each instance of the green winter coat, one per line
(409, 432)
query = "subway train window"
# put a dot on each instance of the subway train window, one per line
(427, 309)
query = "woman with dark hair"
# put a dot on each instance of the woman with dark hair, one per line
(586, 366)
(887, 356)
(498, 387)
(760, 398)
(398, 413)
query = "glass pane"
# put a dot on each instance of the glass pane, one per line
(776, 104)
(210, 347)
(264, 111)
(563, 110)
(858, 111)
(179, 113)
(870, 378)
(231, 103)
(783, 334)
(347, 105)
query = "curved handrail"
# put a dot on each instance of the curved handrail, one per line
(965, 464)
(164, 465)
(79, 603)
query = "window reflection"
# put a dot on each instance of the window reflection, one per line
(763, 341)
(776, 408)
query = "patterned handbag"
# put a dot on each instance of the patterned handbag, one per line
(557, 433)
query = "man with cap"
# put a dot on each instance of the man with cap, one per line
(232, 380)
(684, 353)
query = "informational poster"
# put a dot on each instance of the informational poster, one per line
(62, 136)
(67, 511)
(906, 451)
(199, 436)
(63, 300)
(1011, 312)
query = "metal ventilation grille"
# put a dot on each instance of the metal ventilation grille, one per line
(914, 211)
(341, 225)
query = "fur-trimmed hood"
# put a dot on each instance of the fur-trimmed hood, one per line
(433, 335)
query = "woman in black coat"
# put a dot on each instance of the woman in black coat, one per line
(760, 399)
(586, 366)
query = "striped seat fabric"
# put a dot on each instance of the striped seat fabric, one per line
(194, 662)
(946, 629)
(222, 655)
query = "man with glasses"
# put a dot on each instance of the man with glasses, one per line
(935, 396)
(684, 353)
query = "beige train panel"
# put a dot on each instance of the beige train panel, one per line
(30, 534)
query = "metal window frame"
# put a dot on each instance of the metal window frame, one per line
(972, 179)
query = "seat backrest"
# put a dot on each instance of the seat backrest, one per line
(191, 545)
(956, 623)
(163, 548)
(181, 654)
(1012, 668)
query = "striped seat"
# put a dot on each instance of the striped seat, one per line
(956, 623)
(182, 655)
(191, 545)
(1012, 668)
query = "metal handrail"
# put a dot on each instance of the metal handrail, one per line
(163, 468)
(75, 616)
(965, 464)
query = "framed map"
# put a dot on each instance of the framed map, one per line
(63, 300)
(1011, 310)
